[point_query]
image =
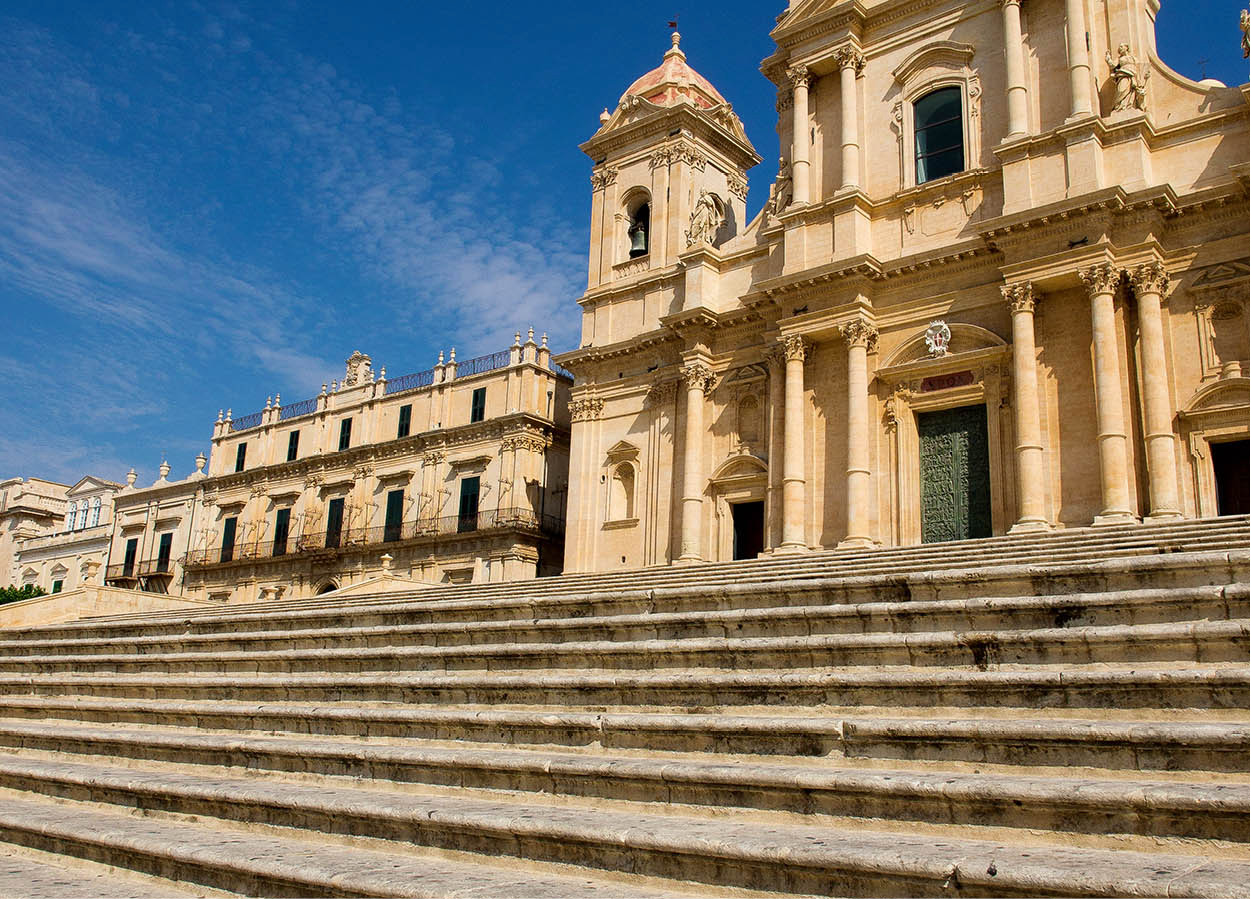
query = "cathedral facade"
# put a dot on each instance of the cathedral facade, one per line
(1000, 285)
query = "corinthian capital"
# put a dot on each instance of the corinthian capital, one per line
(1101, 278)
(1020, 297)
(1150, 277)
(799, 75)
(859, 333)
(697, 376)
(849, 57)
(601, 178)
(794, 347)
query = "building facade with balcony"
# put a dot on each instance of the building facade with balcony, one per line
(29, 508)
(152, 530)
(458, 473)
(1000, 284)
(76, 552)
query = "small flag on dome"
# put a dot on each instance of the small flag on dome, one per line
(673, 23)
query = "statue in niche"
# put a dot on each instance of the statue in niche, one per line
(1244, 21)
(782, 190)
(706, 219)
(1131, 77)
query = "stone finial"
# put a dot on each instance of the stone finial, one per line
(517, 339)
(440, 357)
(269, 403)
(604, 116)
(382, 373)
(323, 388)
(544, 338)
(452, 355)
(530, 337)
(164, 469)
(229, 417)
(219, 416)
(200, 461)
(277, 400)
(131, 477)
(675, 39)
(387, 560)
(334, 385)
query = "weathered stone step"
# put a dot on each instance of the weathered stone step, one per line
(255, 863)
(1143, 807)
(728, 851)
(1202, 641)
(1073, 686)
(1067, 610)
(29, 872)
(551, 594)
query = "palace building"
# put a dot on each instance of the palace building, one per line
(1000, 285)
(455, 474)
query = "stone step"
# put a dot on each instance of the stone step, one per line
(267, 863)
(1201, 641)
(731, 850)
(923, 580)
(1102, 686)
(29, 872)
(1142, 606)
(1211, 810)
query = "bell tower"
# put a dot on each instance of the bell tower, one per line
(669, 173)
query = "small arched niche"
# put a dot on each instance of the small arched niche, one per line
(638, 223)
(621, 478)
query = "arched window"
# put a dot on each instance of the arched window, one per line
(938, 126)
(70, 515)
(82, 515)
(95, 512)
(638, 231)
(621, 493)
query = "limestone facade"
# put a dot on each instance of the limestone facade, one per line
(75, 553)
(29, 507)
(458, 474)
(1000, 283)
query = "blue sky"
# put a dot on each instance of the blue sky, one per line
(203, 204)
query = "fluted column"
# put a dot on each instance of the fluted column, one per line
(800, 178)
(850, 63)
(1031, 502)
(1101, 282)
(776, 360)
(1079, 59)
(698, 379)
(1149, 282)
(795, 349)
(861, 337)
(1014, 57)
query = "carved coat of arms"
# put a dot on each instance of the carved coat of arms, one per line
(937, 338)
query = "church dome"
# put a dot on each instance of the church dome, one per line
(674, 82)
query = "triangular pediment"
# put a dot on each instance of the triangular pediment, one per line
(1221, 274)
(92, 484)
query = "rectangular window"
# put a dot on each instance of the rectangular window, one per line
(293, 446)
(406, 421)
(477, 405)
(334, 522)
(241, 454)
(468, 517)
(132, 550)
(345, 433)
(57, 585)
(228, 538)
(163, 553)
(282, 529)
(395, 516)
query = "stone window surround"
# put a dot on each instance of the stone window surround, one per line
(1204, 423)
(732, 485)
(936, 65)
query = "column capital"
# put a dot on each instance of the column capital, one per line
(799, 76)
(602, 177)
(1020, 297)
(849, 57)
(859, 334)
(585, 409)
(1150, 277)
(1007, 3)
(697, 376)
(793, 346)
(774, 357)
(1102, 278)
(785, 101)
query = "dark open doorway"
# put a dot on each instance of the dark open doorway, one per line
(748, 529)
(1229, 468)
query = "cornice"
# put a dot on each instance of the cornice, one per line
(692, 123)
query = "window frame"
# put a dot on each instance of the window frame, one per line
(282, 531)
(345, 434)
(293, 445)
(931, 68)
(230, 533)
(477, 405)
(241, 456)
(961, 117)
(164, 552)
(404, 425)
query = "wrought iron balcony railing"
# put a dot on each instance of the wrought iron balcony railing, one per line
(137, 569)
(481, 364)
(348, 539)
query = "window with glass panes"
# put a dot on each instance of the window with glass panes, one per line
(938, 128)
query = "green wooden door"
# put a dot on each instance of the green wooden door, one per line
(955, 474)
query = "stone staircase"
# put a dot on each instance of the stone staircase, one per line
(1022, 716)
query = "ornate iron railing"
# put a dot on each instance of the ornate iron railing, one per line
(559, 371)
(481, 364)
(295, 410)
(349, 539)
(246, 422)
(415, 381)
(136, 570)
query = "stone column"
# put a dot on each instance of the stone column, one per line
(800, 177)
(1014, 56)
(861, 337)
(1102, 281)
(850, 63)
(698, 378)
(1149, 282)
(1079, 59)
(1030, 474)
(795, 349)
(776, 361)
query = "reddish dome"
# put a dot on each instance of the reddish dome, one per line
(674, 81)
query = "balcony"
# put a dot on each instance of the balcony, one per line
(332, 543)
(136, 570)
